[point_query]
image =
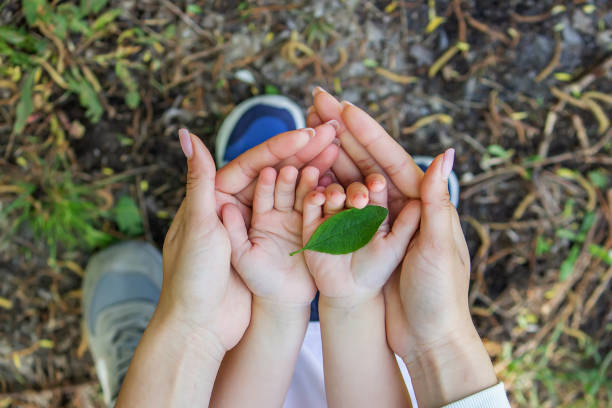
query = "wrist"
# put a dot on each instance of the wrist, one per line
(346, 304)
(450, 369)
(167, 319)
(287, 314)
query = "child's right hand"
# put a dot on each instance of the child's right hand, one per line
(261, 256)
(346, 280)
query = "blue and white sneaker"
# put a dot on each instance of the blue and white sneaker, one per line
(253, 122)
(453, 183)
(121, 289)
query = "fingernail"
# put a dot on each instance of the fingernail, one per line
(310, 111)
(333, 123)
(336, 141)
(344, 104)
(317, 90)
(310, 131)
(447, 163)
(186, 144)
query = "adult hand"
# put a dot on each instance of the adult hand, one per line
(367, 148)
(235, 183)
(428, 318)
(199, 288)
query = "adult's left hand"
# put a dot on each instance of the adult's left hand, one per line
(235, 183)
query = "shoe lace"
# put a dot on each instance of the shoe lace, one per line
(128, 329)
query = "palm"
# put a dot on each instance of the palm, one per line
(274, 235)
(222, 199)
(362, 272)
(205, 287)
(425, 280)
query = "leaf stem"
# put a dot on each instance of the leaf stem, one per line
(297, 252)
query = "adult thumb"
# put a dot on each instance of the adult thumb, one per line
(200, 190)
(436, 208)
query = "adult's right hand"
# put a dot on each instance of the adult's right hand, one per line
(367, 148)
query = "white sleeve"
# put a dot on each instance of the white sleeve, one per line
(494, 397)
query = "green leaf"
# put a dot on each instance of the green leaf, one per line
(25, 106)
(568, 264)
(127, 216)
(33, 9)
(369, 63)
(87, 95)
(542, 246)
(601, 253)
(271, 90)
(194, 9)
(498, 151)
(105, 19)
(346, 231)
(598, 178)
(12, 36)
(87, 6)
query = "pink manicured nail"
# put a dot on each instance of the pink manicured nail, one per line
(186, 144)
(344, 104)
(447, 163)
(310, 131)
(317, 90)
(333, 123)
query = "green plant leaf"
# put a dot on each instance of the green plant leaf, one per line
(598, 178)
(33, 9)
(567, 266)
(87, 6)
(346, 231)
(601, 253)
(127, 216)
(87, 95)
(105, 19)
(498, 151)
(25, 106)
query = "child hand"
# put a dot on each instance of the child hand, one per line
(359, 276)
(261, 257)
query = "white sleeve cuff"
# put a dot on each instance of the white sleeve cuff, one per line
(494, 397)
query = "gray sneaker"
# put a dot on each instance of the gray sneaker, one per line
(121, 288)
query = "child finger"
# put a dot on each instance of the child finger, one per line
(263, 199)
(327, 179)
(357, 195)
(308, 181)
(284, 194)
(236, 230)
(334, 199)
(377, 187)
(312, 214)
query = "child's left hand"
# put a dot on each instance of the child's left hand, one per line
(358, 276)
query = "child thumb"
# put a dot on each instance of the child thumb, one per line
(201, 170)
(436, 208)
